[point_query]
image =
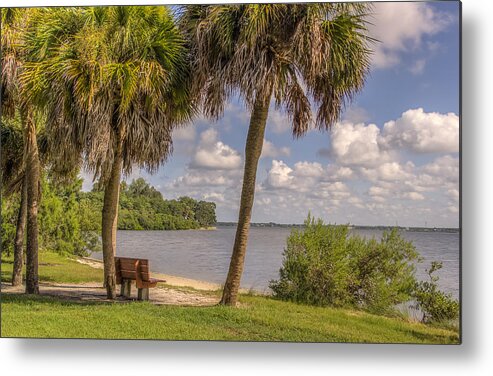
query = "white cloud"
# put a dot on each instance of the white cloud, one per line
(215, 155)
(453, 194)
(400, 27)
(361, 145)
(279, 176)
(390, 171)
(446, 167)
(308, 169)
(357, 144)
(269, 150)
(423, 132)
(335, 173)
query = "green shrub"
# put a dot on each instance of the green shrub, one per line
(323, 265)
(434, 304)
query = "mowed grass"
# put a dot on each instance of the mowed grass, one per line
(56, 268)
(257, 319)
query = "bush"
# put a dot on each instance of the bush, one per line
(323, 265)
(433, 303)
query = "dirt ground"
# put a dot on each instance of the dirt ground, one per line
(94, 292)
(176, 290)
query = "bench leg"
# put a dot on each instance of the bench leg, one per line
(126, 288)
(143, 294)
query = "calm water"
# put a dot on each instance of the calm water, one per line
(205, 255)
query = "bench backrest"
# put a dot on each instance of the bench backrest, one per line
(131, 268)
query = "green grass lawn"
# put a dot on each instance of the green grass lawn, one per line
(258, 318)
(56, 269)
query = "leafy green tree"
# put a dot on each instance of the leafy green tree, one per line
(13, 178)
(63, 225)
(15, 103)
(434, 304)
(299, 55)
(205, 213)
(113, 81)
(324, 265)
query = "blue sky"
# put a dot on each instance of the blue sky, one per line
(393, 158)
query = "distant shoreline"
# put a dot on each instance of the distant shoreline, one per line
(352, 227)
(451, 230)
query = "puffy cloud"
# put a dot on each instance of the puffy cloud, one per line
(215, 155)
(279, 176)
(269, 150)
(390, 171)
(357, 144)
(335, 173)
(401, 26)
(308, 169)
(445, 166)
(360, 145)
(423, 132)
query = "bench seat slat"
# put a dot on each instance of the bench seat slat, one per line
(126, 269)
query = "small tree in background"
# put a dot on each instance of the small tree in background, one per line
(434, 304)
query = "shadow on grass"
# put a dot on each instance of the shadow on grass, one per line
(63, 301)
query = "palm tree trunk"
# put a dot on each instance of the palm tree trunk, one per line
(253, 149)
(32, 182)
(19, 237)
(109, 223)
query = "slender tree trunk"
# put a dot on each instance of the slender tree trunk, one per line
(110, 219)
(253, 149)
(32, 182)
(19, 237)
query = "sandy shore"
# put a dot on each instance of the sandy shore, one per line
(170, 279)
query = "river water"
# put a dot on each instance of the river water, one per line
(205, 255)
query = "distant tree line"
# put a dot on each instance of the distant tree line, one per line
(142, 207)
(70, 219)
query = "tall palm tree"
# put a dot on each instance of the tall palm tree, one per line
(299, 55)
(13, 59)
(113, 81)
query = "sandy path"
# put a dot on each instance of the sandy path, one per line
(170, 279)
(93, 292)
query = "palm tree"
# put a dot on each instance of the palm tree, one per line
(113, 81)
(13, 173)
(14, 22)
(300, 55)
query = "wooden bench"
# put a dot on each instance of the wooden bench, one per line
(134, 269)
